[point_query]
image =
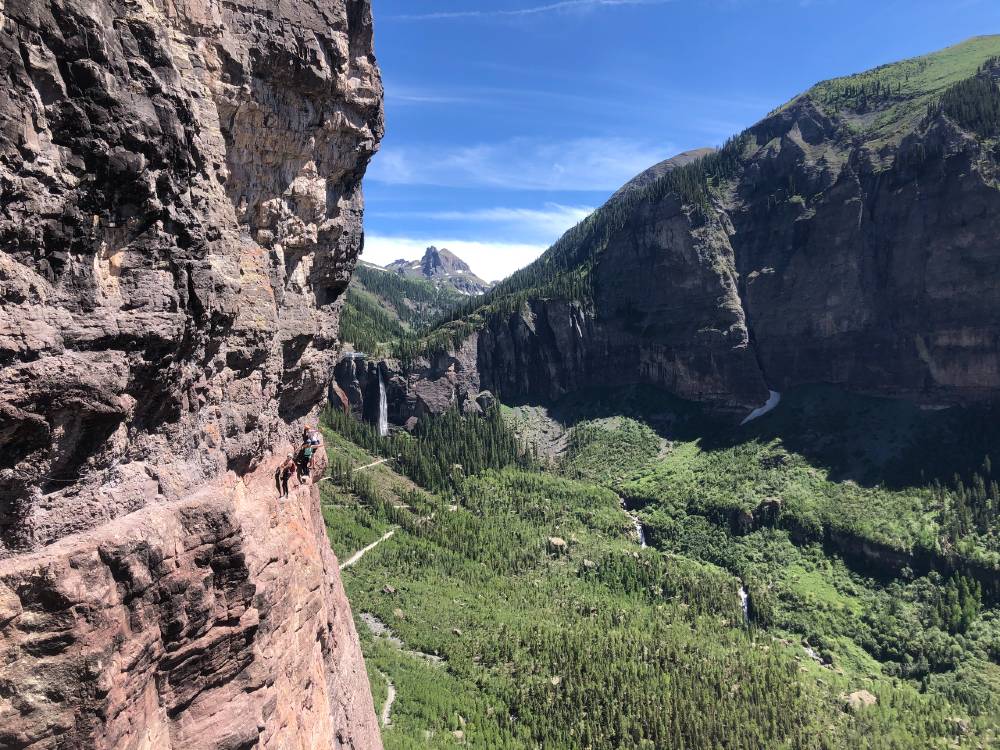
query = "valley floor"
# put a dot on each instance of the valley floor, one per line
(508, 603)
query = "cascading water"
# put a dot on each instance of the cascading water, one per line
(745, 604)
(639, 531)
(383, 407)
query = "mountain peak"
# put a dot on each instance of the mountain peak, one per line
(442, 267)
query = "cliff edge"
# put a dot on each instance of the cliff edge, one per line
(180, 213)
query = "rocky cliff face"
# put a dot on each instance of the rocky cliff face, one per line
(848, 238)
(180, 210)
(217, 621)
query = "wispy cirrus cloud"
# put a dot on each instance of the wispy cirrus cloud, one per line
(533, 225)
(405, 95)
(563, 6)
(578, 165)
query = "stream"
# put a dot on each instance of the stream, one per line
(640, 532)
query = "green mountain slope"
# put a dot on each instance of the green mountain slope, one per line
(383, 307)
(847, 238)
(513, 608)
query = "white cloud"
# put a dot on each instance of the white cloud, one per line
(563, 6)
(404, 95)
(540, 225)
(491, 261)
(583, 164)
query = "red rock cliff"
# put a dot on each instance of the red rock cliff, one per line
(180, 211)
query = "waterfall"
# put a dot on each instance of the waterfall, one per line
(639, 531)
(745, 604)
(773, 399)
(383, 407)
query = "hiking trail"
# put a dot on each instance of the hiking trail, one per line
(365, 550)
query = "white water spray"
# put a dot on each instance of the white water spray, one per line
(383, 407)
(773, 399)
(745, 604)
(639, 531)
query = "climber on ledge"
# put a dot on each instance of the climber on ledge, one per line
(284, 473)
(311, 436)
(305, 460)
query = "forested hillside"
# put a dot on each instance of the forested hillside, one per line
(383, 307)
(512, 606)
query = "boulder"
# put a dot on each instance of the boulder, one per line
(486, 400)
(859, 700)
(557, 546)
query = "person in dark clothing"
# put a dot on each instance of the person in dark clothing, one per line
(285, 472)
(305, 462)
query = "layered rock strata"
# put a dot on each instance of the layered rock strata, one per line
(180, 212)
(217, 621)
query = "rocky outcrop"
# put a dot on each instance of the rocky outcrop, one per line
(180, 212)
(217, 621)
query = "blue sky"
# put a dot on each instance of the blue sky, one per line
(509, 120)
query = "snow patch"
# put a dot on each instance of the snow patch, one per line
(772, 401)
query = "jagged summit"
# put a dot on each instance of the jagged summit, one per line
(442, 267)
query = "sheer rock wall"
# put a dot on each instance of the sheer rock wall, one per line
(180, 211)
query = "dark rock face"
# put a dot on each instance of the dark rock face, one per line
(442, 267)
(830, 257)
(667, 313)
(887, 279)
(180, 209)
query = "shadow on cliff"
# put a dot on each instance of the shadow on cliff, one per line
(869, 440)
(670, 417)
(872, 441)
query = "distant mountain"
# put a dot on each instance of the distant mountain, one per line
(848, 238)
(443, 268)
(384, 306)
